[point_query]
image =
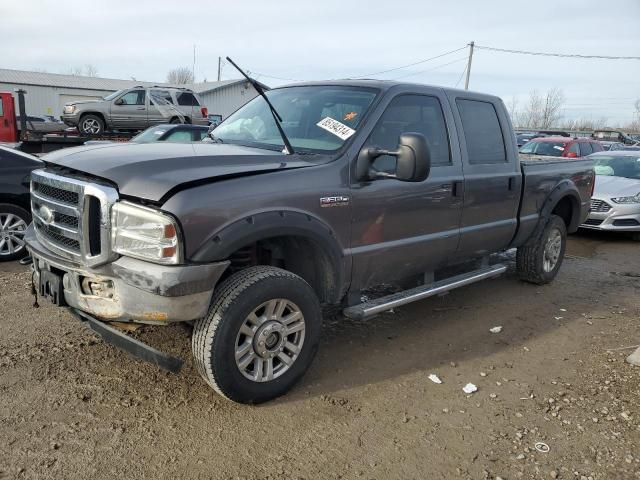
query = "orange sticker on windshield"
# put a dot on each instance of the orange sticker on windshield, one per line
(350, 116)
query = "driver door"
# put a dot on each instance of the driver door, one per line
(401, 229)
(129, 110)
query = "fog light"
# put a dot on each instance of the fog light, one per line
(97, 288)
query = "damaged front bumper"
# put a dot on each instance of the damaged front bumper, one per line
(130, 290)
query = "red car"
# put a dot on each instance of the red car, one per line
(561, 147)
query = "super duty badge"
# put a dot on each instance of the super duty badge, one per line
(334, 201)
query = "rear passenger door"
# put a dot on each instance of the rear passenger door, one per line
(161, 108)
(400, 229)
(492, 177)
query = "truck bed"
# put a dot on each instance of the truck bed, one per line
(540, 176)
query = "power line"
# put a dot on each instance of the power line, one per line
(411, 64)
(562, 55)
(461, 75)
(430, 69)
(275, 78)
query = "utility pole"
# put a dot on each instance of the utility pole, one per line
(219, 67)
(193, 68)
(466, 82)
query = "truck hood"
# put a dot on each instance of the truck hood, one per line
(151, 171)
(610, 186)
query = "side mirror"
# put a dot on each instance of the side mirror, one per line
(413, 160)
(119, 102)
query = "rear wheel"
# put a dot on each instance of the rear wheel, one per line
(260, 335)
(91, 125)
(13, 224)
(539, 263)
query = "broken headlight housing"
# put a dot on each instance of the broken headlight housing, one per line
(145, 233)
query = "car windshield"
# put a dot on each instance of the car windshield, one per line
(627, 166)
(151, 134)
(113, 95)
(316, 119)
(549, 149)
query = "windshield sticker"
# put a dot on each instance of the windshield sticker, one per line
(350, 116)
(340, 130)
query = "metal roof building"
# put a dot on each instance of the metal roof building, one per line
(47, 93)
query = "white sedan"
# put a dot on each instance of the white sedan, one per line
(615, 205)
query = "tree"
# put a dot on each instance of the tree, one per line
(180, 76)
(90, 70)
(551, 106)
(87, 71)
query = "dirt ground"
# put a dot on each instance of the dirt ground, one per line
(73, 407)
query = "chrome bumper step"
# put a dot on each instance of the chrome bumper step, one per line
(382, 304)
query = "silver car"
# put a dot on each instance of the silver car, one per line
(615, 204)
(136, 109)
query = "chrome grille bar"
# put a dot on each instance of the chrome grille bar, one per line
(60, 208)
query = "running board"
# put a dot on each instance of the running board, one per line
(382, 304)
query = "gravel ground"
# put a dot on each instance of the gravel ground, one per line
(74, 407)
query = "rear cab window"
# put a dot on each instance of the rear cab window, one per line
(482, 132)
(585, 148)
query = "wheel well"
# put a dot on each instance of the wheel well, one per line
(568, 210)
(296, 254)
(93, 113)
(16, 200)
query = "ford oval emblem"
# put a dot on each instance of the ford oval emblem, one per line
(45, 214)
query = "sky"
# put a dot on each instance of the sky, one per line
(284, 40)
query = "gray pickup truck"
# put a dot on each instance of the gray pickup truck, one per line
(304, 197)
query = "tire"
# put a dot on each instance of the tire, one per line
(13, 223)
(539, 263)
(91, 124)
(218, 340)
(175, 120)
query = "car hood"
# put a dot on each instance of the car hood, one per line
(150, 171)
(610, 186)
(84, 102)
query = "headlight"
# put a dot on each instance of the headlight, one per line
(144, 233)
(635, 199)
(69, 108)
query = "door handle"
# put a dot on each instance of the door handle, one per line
(458, 189)
(140, 108)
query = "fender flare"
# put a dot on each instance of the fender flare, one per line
(565, 189)
(270, 224)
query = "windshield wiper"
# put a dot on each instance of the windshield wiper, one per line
(276, 115)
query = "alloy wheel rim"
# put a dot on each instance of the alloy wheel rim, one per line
(552, 250)
(90, 126)
(12, 229)
(270, 340)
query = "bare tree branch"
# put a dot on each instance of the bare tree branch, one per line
(180, 76)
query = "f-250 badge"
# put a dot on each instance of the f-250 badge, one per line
(335, 201)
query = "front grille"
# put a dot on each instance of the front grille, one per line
(593, 222)
(626, 222)
(599, 206)
(57, 236)
(57, 194)
(71, 216)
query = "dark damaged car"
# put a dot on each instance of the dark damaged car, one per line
(308, 200)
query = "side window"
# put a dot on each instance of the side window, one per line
(585, 149)
(187, 99)
(160, 97)
(179, 136)
(596, 147)
(416, 114)
(199, 135)
(1, 107)
(135, 97)
(482, 132)
(574, 148)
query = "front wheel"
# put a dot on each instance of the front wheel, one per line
(260, 335)
(91, 125)
(13, 224)
(539, 263)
